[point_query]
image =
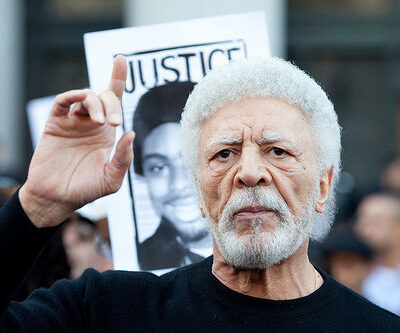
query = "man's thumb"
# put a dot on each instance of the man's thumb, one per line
(122, 159)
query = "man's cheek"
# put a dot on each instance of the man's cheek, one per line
(210, 198)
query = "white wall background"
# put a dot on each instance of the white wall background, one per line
(11, 84)
(142, 12)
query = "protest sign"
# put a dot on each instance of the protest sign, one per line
(155, 223)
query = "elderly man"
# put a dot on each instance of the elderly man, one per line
(262, 142)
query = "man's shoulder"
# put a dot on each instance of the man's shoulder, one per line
(134, 290)
(359, 308)
(148, 279)
(121, 277)
(117, 283)
(198, 268)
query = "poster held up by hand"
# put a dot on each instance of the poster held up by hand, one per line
(155, 222)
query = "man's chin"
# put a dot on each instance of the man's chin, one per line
(256, 251)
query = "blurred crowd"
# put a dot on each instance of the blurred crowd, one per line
(362, 251)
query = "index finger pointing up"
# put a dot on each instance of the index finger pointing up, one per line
(118, 76)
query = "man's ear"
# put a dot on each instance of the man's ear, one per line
(325, 184)
(202, 212)
(203, 215)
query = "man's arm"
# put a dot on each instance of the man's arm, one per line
(20, 244)
(70, 167)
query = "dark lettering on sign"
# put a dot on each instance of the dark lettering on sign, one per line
(203, 65)
(151, 68)
(230, 52)
(155, 71)
(170, 69)
(211, 55)
(131, 76)
(187, 56)
(141, 74)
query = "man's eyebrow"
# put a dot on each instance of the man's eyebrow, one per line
(276, 137)
(225, 139)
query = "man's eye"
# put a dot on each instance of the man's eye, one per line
(278, 151)
(224, 154)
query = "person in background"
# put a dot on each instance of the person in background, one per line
(81, 240)
(378, 224)
(349, 259)
(390, 176)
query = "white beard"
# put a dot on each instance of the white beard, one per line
(258, 249)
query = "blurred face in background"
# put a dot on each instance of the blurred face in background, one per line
(378, 223)
(349, 268)
(79, 244)
(390, 178)
(171, 190)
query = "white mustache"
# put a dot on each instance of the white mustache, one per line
(255, 196)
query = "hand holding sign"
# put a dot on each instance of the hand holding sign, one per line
(71, 166)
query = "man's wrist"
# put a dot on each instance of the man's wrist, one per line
(40, 211)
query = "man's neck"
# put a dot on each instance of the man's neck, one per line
(295, 277)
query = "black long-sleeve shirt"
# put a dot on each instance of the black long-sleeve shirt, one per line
(187, 299)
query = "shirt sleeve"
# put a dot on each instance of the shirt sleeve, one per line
(67, 306)
(20, 244)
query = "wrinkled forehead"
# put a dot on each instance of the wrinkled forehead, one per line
(258, 119)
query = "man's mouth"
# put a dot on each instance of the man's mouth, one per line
(252, 212)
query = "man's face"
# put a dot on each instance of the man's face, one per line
(259, 157)
(376, 222)
(170, 188)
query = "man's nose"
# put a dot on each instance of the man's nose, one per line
(252, 171)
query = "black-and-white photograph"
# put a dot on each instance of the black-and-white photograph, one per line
(181, 236)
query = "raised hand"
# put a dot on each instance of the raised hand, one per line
(70, 166)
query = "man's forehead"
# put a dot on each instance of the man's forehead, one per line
(264, 137)
(259, 117)
(252, 108)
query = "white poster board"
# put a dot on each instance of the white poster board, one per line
(154, 219)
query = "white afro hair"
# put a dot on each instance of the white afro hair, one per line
(271, 77)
